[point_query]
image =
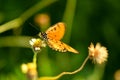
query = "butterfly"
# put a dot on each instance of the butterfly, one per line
(52, 37)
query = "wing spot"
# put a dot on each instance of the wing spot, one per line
(55, 28)
(58, 25)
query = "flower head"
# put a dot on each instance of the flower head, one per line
(30, 70)
(37, 44)
(98, 53)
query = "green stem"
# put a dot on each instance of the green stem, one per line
(15, 23)
(10, 25)
(35, 58)
(15, 41)
(68, 17)
(36, 8)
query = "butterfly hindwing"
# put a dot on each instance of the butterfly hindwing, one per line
(60, 46)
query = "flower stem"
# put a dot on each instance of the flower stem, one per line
(65, 73)
(78, 70)
(34, 58)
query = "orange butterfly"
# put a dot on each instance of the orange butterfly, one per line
(53, 35)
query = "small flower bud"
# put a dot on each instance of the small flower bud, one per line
(42, 20)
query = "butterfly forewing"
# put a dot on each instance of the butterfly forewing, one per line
(56, 32)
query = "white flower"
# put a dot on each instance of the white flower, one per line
(32, 41)
(98, 53)
(37, 44)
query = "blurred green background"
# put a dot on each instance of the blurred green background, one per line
(86, 21)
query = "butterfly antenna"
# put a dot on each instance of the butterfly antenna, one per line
(34, 27)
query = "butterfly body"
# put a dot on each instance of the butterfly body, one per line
(53, 35)
(43, 35)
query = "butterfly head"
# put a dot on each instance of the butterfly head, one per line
(43, 35)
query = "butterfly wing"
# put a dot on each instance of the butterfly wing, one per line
(56, 32)
(60, 46)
